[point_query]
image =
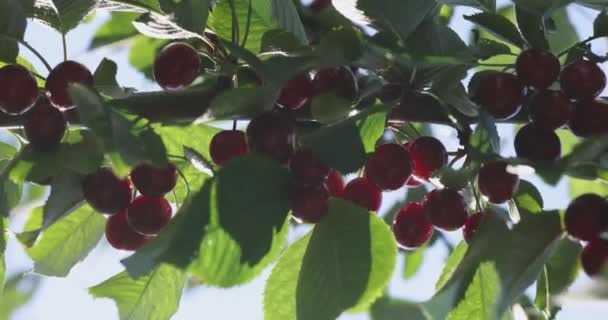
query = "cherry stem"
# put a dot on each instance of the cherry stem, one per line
(30, 48)
(234, 125)
(177, 203)
(476, 195)
(235, 23)
(183, 177)
(248, 24)
(495, 65)
(65, 47)
(592, 38)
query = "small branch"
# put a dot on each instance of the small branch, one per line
(65, 47)
(592, 38)
(247, 25)
(29, 47)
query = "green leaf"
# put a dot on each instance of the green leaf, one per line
(336, 267)
(499, 26)
(62, 15)
(487, 48)
(148, 5)
(192, 15)
(12, 28)
(532, 27)
(600, 25)
(243, 102)
(7, 151)
(117, 29)
(564, 35)
(143, 53)
(452, 264)
(481, 295)
(286, 14)
(3, 239)
(528, 198)
(66, 196)
(485, 5)
(11, 186)
(154, 296)
(485, 141)
(19, 290)
(413, 262)
(542, 7)
(447, 43)
(390, 309)
(447, 87)
(330, 108)
(105, 80)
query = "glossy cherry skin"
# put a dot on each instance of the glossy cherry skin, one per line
(537, 68)
(446, 209)
(18, 89)
(411, 226)
(594, 257)
(151, 180)
(319, 5)
(582, 80)
(149, 215)
(500, 94)
(496, 183)
(121, 235)
(339, 81)
(390, 167)
(335, 183)
(471, 225)
(537, 144)
(106, 192)
(44, 127)
(363, 193)
(227, 145)
(428, 154)
(296, 92)
(61, 77)
(589, 118)
(310, 204)
(307, 169)
(272, 133)
(176, 66)
(550, 109)
(586, 217)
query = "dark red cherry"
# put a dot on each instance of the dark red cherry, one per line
(411, 226)
(363, 193)
(18, 90)
(586, 217)
(500, 94)
(446, 209)
(176, 66)
(121, 236)
(550, 109)
(582, 80)
(389, 167)
(428, 154)
(307, 169)
(496, 183)
(319, 5)
(310, 204)
(151, 180)
(106, 192)
(594, 257)
(339, 81)
(149, 215)
(61, 77)
(537, 68)
(227, 145)
(296, 92)
(44, 127)
(272, 133)
(471, 226)
(335, 183)
(537, 144)
(589, 118)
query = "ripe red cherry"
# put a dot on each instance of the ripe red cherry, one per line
(582, 80)
(310, 204)
(121, 236)
(44, 127)
(550, 109)
(594, 257)
(335, 183)
(537, 68)
(496, 183)
(339, 81)
(586, 217)
(411, 226)
(106, 192)
(500, 94)
(471, 226)
(428, 154)
(296, 92)
(149, 215)
(446, 209)
(59, 79)
(389, 167)
(18, 89)
(589, 118)
(363, 193)
(319, 5)
(273, 134)
(307, 169)
(176, 66)
(154, 181)
(537, 144)
(227, 145)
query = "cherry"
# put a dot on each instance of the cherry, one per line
(307, 169)
(273, 134)
(335, 183)
(537, 68)
(589, 118)
(550, 109)
(582, 80)
(44, 127)
(319, 5)
(149, 215)
(176, 66)
(296, 92)
(339, 81)
(227, 145)
(310, 204)
(496, 183)
(389, 167)
(59, 79)
(471, 226)
(586, 217)
(411, 226)
(121, 235)
(363, 193)
(500, 94)
(428, 154)
(154, 181)
(537, 144)
(18, 89)
(106, 192)
(446, 209)
(594, 257)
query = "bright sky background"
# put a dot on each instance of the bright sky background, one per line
(67, 299)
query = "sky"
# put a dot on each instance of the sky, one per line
(67, 298)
